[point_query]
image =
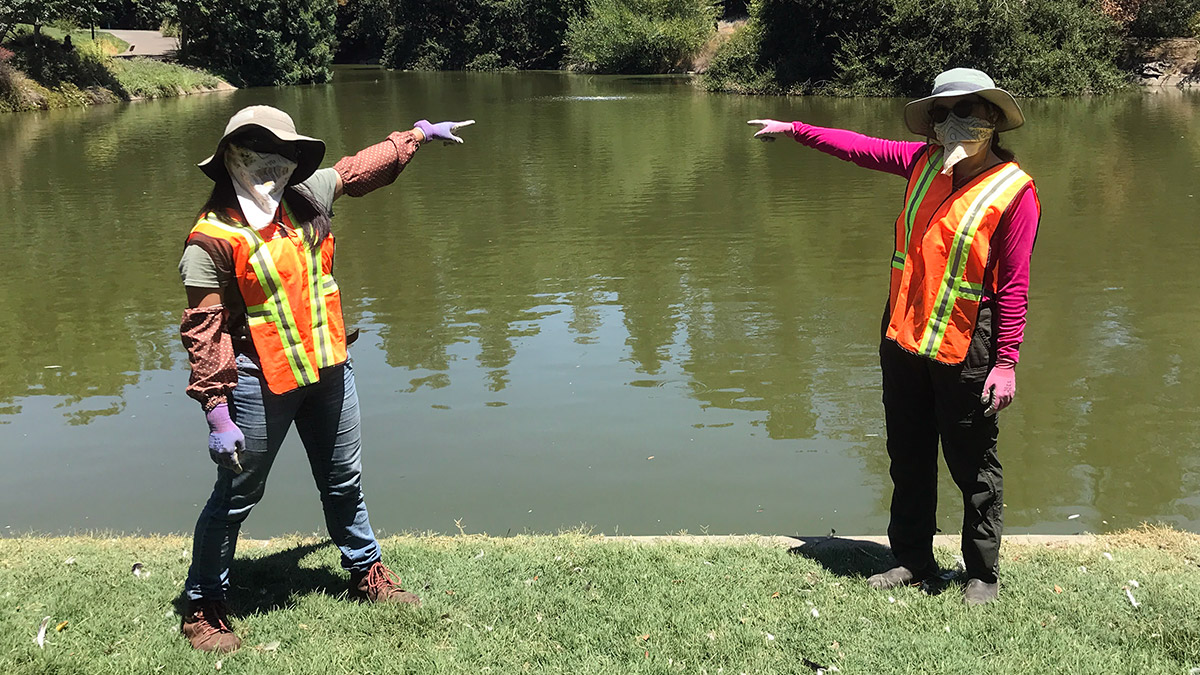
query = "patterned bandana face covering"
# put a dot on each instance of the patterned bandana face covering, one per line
(962, 137)
(258, 179)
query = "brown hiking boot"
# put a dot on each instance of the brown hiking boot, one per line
(206, 626)
(379, 584)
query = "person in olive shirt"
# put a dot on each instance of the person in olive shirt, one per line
(267, 346)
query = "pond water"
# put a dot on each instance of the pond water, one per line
(610, 307)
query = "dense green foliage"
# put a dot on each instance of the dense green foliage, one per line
(579, 604)
(51, 63)
(639, 36)
(260, 42)
(1163, 18)
(895, 47)
(456, 34)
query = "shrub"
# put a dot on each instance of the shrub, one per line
(639, 36)
(49, 62)
(1163, 18)
(736, 67)
(896, 47)
(456, 34)
(260, 42)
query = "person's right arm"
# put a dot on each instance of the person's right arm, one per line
(879, 154)
(209, 348)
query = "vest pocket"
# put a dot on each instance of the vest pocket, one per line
(981, 353)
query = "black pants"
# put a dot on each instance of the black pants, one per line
(925, 401)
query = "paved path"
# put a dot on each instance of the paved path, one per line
(145, 43)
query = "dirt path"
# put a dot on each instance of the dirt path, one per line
(149, 43)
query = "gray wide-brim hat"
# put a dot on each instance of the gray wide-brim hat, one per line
(963, 82)
(280, 125)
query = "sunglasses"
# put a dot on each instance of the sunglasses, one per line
(263, 142)
(939, 113)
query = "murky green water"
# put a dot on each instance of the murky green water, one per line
(609, 307)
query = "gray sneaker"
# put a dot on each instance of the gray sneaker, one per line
(897, 576)
(978, 592)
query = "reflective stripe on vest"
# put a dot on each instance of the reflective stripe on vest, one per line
(915, 196)
(277, 308)
(953, 284)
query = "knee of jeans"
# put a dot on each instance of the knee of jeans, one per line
(348, 488)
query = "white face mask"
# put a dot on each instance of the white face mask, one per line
(962, 137)
(258, 179)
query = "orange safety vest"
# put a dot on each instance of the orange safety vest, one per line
(293, 305)
(943, 240)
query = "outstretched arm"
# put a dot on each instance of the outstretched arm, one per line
(378, 165)
(895, 157)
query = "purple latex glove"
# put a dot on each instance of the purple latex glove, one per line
(999, 389)
(772, 128)
(442, 130)
(225, 439)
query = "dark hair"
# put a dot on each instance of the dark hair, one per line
(310, 217)
(997, 116)
(1001, 151)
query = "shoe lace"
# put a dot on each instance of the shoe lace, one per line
(380, 578)
(213, 618)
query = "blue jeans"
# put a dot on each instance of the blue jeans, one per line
(327, 418)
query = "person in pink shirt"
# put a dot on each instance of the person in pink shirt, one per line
(955, 317)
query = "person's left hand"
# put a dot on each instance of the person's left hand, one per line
(442, 130)
(999, 389)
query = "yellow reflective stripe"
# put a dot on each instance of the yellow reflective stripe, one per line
(928, 173)
(328, 285)
(935, 329)
(898, 259)
(322, 340)
(970, 291)
(277, 303)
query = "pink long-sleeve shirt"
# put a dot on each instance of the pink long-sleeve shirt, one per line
(1012, 242)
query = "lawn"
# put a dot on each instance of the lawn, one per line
(575, 603)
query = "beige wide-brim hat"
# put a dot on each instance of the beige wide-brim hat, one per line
(280, 125)
(963, 82)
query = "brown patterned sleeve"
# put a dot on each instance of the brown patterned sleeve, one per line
(210, 352)
(377, 166)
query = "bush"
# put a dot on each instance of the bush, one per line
(639, 36)
(897, 47)
(1163, 18)
(52, 64)
(260, 42)
(737, 68)
(456, 34)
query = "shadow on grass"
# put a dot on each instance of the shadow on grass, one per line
(860, 559)
(272, 582)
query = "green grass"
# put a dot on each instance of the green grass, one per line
(110, 43)
(579, 604)
(148, 78)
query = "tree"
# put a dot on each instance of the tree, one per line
(33, 12)
(260, 42)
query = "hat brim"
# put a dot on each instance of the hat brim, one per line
(916, 113)
(310, 153)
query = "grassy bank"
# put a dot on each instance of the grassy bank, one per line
(579, 604)
(42, 73)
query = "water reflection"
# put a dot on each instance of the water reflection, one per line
(608, 270)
